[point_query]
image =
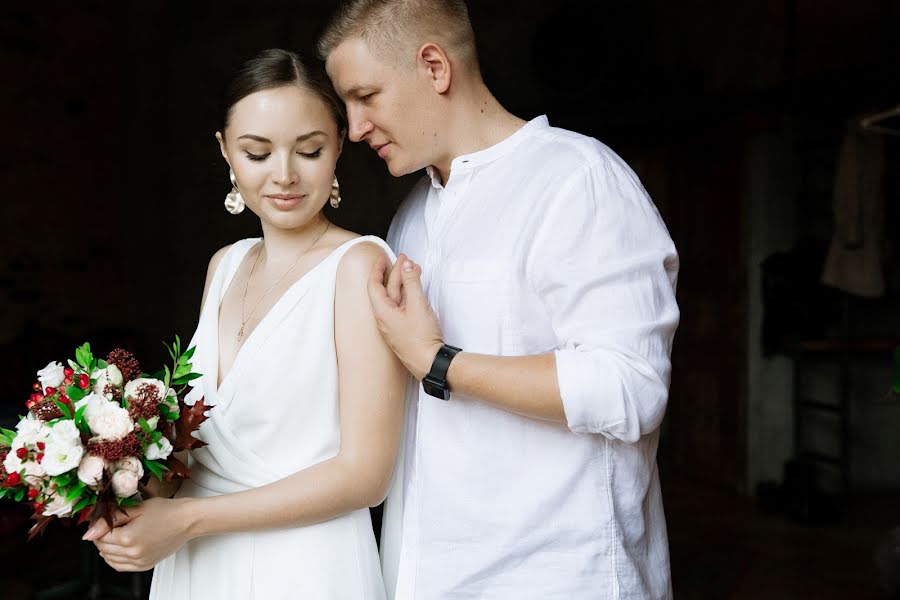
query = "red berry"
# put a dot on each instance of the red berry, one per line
(30, 403)
(13, 479)
(36, 397)
(39, 457)
(32, 494)
(50, 391)
(65, 399)
(84, 381)
(68, 372)
(68, 381)
(36, 387)
(41, 446)
(22, 453)
(39, 507)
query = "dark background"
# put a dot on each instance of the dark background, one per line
(732, 114)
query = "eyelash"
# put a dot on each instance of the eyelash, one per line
(261, 157)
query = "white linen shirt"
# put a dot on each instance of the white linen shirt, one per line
(545, 242)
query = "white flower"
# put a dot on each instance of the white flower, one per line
(107, 420)
(90, 471)
(171, 401)
(111, 375)
(132, 387)
(12, 463)
(59, 507)
(152, 422)
(52, 375)
(131, 463)
(65, 434)
(158, 451)
(34, 473)
(124, 483)
(59, 459)
(30, 431)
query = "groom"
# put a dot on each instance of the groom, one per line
(530, 454)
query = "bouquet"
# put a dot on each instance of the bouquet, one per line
(95, 431)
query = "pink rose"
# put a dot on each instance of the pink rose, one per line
(124, 483)
(90, 471)
(131, 463)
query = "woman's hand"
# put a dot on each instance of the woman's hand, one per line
(150, 532)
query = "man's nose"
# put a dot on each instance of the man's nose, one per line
(359, 125)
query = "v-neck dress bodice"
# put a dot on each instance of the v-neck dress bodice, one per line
(276, 413)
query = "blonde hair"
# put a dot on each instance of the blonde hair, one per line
(392, 28)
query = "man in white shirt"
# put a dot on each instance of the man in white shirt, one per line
(537, 251)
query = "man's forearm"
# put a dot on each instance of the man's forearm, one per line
(525, 385)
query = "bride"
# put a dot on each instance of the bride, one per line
(308, 397)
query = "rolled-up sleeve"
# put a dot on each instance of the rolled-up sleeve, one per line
(605, 269)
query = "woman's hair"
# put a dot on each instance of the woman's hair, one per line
(276, 68)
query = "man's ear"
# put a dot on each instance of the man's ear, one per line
(222, 146)
(436, 64)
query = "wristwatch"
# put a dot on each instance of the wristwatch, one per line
(435, 383)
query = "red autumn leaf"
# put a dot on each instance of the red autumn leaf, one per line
(39, 527)
(189, 421)
(177, 469)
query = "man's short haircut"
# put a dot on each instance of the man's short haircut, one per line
(394, 28)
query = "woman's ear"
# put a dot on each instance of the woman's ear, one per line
(222, 146)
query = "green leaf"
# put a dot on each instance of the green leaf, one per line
(79, 420)
(84, 357)
(156, 436)
(187, 355)
(127, 502)
(85, 501)
(168, 377)
(75, 491)
(63, 480)
(19, 495)
(177, 344)
(144, 425)
(3, 493)
(75, 393)
(166, 412)
(102, 364)
(181, 371)
(170, 350)
(186, 378)
(155, 467)
(65, 408)
(158, 375)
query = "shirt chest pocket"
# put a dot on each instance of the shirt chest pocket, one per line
(474, 305)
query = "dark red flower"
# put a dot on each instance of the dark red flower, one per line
(68, 372)
(32, 494)
(84, 381)
(22, 453)
(13, 479)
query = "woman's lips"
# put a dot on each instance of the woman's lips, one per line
(285, 202)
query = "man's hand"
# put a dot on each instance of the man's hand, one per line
(405, 318)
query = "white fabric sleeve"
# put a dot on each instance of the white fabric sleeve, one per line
(605, 268)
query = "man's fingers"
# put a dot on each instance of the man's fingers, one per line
(411, 275)
(395, 280)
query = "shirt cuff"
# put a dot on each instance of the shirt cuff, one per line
(581, 388)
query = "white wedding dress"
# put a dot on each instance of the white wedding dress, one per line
(275, 413)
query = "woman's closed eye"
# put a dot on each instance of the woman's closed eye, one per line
(260, 157)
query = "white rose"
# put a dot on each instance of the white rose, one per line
(110, 375)
(59, 507)
(124, 483)
(131, 463)
(108, 420)
(34, 473)
(90, 471)
(12, 463)
(64, 433)
(30, 431)
(158, 451)
(52, 375)
(59, 459)
(132, 387)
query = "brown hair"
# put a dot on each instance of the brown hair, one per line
(275, 68)
(392, 26)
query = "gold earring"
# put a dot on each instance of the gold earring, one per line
(335, 193)
(234, 202)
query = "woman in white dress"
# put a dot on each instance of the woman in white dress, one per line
(308, 398)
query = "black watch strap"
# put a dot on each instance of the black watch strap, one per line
(435, 383)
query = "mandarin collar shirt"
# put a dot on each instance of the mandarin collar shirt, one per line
(545, 242)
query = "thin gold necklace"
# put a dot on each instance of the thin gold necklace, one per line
(240, 335)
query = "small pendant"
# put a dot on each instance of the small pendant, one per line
(241, 333)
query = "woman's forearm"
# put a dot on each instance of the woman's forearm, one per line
(321, 492)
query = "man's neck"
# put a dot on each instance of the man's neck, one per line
(476, 124)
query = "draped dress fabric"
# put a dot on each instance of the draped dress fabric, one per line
(276, 413)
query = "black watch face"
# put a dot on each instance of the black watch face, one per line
(436, 389)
